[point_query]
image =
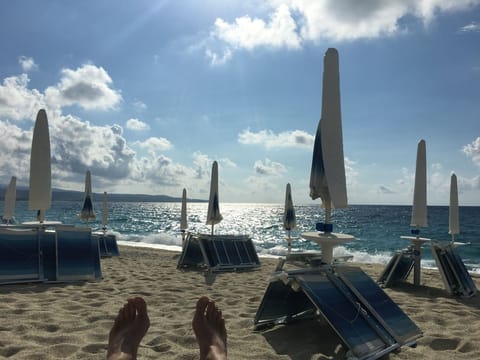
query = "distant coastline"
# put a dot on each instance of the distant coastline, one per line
(70, 195)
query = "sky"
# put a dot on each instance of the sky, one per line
(147, 94)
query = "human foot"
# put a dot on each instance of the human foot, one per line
(209, 328)
(128, 330)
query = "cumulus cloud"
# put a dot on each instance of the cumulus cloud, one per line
(136, 125)
(249, 33)
(155, 144)
(473, 151)
(27, 63)
(472, 27)
(385, 190)
(87, 86)
(268, 167)
(292, 23)
(17, 101)
(270, 140)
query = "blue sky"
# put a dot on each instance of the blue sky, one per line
(146, 94)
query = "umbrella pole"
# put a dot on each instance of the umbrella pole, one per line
(289, 240)
(328, 209)
(212, 229)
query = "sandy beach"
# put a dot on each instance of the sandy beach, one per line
(72, 321)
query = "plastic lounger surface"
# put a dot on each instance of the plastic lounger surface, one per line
(454, 274)
(219, 252)
(20, 256)
(75, 255)
(397, 269)
(398, 324)
(358, 310)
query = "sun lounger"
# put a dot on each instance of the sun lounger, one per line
(398, 268)
(107, 244)
(219, 252)
(20, 259)
(78, 255)
(454, 274)
(364, 317)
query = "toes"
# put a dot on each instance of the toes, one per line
(202, 304)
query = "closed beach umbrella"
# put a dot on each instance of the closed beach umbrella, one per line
(213, 213)
(453, 218)
(419, 209)
(104, 212)
(87, 212)
(327, 177)
(10, 199)
(40, 190)
(183, 214)
(289, 218)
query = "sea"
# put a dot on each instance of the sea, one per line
(377, 228)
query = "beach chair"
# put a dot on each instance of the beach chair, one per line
(107, 244)
(364, 317)
(454, 274)
(20, 256)
(219, 252)
(78, 254)
(398, 268)
(48, 247)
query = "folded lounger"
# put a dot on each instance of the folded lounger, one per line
(219, 252)
(107, 244)
(20, 256)
(398, 268)
(364, 317)
(454, 274)
(78, 254)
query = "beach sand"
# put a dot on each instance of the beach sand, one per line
(72, 321)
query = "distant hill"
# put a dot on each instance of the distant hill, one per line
(70, 195)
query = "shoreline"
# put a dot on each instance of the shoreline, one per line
(72, 321)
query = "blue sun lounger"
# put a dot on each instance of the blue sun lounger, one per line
(20, 259)
(77, 254)
(107, 244)
(454, 274)
(219, 252)
(364, 317)
(398, 268)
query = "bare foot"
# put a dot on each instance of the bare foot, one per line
(127, 332)
(209, 328)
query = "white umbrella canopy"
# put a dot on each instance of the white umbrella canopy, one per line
(10, 200)
(289, 218)
(87, 212)
(419, 209)
(453, 216)
(213, 213)
(40, 190)
(327, 177)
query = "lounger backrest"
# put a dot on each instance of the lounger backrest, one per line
(20, 256)
(76, 256)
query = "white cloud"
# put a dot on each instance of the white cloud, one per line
(293, 22)
(155, 144)
(268, 167)
(270, 140)
(136, 125)
(17, 101)
(88, 86)
(472, 27)
(27, 63)
(473, 150)
(140, 105)
(249, 33)
(216, 59)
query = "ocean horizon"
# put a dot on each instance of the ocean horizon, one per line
(377, 228)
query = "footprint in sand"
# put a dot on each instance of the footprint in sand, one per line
(442, 344)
